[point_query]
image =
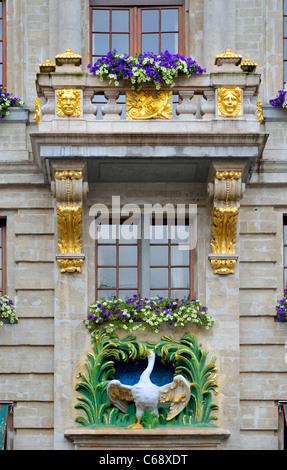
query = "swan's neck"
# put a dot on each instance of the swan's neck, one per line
(146, 374)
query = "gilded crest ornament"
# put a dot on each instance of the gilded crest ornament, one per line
(229, 102)
(69, 103)
(148, 105)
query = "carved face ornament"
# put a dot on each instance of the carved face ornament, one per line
(69, 102)
(229, 102)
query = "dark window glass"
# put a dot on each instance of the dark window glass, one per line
(2, 257)
(2, 43)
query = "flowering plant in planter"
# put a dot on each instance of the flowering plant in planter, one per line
(6, 102)
(281, 308)
(7, 310)
(280, 100)
(144, 68)
(136, 313)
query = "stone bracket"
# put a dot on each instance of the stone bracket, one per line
(226, 192)
(69, 190)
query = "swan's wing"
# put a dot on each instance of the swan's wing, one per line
(177, 393)
(120, 395)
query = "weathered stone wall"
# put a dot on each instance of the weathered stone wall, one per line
(249, 345)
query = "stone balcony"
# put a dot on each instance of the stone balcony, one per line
(180, 147)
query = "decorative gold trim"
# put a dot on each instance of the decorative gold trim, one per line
(68, 57)
(229, 102)
(47, 67)
(70, 265)
(248, 66)
(259, 112)
(69, 227)
(224, 230)
(149, 105)
(228, 55)
(37, 115)
(223, 266)
(69, 102)
(66, 174)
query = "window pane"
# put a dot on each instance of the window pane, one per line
(0, 257)
(179, 257)
(107, 277)
(180, 294)
(128, 277)
(101, 44)
(128, 255)
(285, 256)
(1, 54)
(120, 21)
(101, 20)
(150, 20)
(1, 28)
(285, 279)
(150, 43)
(169, 41)
(158, 234)
(107, 294)
(159, 293)
(120, 42)
(127, 294)
(107, 255)
(0, 280)
(285, 49)
(106, 233)
(285, 26)
(169, 20)
(179, 233)
(285, 7)
(128, 233)
(180, 277)
(159, 255)
(159, 277)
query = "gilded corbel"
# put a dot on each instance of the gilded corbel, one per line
(69, 194)
(227, 192)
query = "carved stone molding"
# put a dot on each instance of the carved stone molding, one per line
(226, 192)
(69, 189)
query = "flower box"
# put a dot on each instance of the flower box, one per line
(7, 311)
(138, 313)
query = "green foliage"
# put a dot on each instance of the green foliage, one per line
(186, 356)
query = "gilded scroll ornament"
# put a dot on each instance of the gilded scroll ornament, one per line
(148, 105)
(229, 102)
(70, 265)
(69, 103)
(37, 115)
(223, 266)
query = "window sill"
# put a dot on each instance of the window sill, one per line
(146, 439)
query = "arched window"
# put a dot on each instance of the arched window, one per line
(132, 26)
(2, 43)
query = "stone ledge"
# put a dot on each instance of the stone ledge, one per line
(146, 439)
(274, 114)
(17, 115)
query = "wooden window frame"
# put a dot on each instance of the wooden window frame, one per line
(3, 266)
(139, 266)
(135, 33)
(117, 266)
(4, 46)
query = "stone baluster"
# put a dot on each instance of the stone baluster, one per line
(112, 110)
(186, 110)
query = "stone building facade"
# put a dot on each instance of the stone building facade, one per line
(144, 162)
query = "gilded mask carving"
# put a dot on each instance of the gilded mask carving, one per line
(69, 103)
(229, 102)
